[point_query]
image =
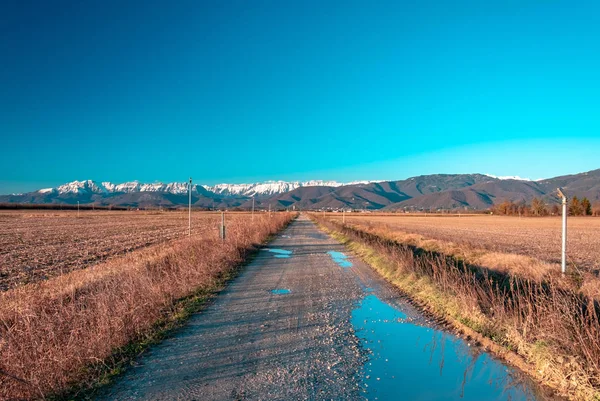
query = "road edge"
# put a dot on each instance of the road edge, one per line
(432, 303)
(106, 372)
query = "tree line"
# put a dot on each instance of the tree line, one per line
(537, 207)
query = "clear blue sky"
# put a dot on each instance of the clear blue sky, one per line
(238, 91)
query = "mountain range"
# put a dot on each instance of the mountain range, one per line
(426, 192)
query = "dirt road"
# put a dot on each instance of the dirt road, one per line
(307, 321)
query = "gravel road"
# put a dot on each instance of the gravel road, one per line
(281, 330)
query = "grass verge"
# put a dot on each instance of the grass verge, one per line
(540, 327)
(68, 335)
(102, 374)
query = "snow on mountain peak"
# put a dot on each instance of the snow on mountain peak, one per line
(267, 187)
(264, 188)
(508, 177)
(77, 187)
(255, 189)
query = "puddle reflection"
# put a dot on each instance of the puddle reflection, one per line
(422, 363)
(280, 253)
(340, 258)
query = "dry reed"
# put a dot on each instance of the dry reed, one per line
(552, 325)
(51, 330)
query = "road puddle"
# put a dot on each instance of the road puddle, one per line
(340, 258)
(423, 363)
(281, 291)
(280, 253)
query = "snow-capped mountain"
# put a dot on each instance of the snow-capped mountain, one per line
(94, 187)
(508, 177)
(257, 189)
(267, 188)
(427, 192)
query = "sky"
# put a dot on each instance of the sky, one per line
(247, 91)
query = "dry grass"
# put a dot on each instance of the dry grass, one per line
(538, 238)
(526, 247)
(36, 245)
(50, 331)
(544, 318)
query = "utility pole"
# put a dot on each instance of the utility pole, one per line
(223, 226)
(190, 208)
(564, 230)
(343, 216)
(77, 209)
(269, 210)
(253, 208)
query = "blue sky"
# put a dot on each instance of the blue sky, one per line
(238, 91)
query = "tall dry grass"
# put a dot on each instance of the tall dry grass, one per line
(50, 331)
(477, 253)
(536, 237)
(551, 324)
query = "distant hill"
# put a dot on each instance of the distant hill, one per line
(582, 185)
(486, 194)
(478, 196)
(378, 195)
(302, 198)
(426, 192)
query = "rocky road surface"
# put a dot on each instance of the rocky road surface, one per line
(286, 329)
(252, 343)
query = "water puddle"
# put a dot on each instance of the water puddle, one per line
(340, 258)
(280, 253)
(281, 291)
(422, 363)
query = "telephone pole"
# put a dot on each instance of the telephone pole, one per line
(223, 226)
(190, 208)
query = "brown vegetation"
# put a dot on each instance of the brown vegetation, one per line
(539, 208)
(532, 237)
(36, 245)
(53, 332)
(542, 317)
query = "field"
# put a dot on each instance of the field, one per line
(498, 279)
(102, 294)
(36, 245)
(538, 238)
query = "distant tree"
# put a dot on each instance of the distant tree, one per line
(523, 209)
(586, 207)
(506, 208)
(555, 210)
(510, 208)
(538, 207)
(575, 208)
(520, 209)
(596, 210)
